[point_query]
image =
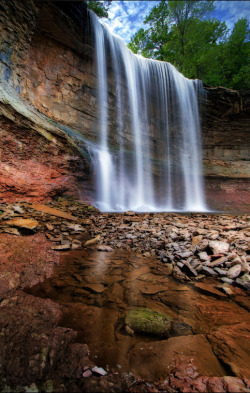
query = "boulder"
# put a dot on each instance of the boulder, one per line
(146, 321)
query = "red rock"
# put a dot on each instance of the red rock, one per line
(210, 290)
(231, 345)
(216, 385)
(156, 359)
(53, 212)
(233, 385)
(28, 257)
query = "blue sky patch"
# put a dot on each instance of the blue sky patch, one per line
(126, 17)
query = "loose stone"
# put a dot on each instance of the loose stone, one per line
(209, 272)
(234, 271)
(219, 247)
(99, 371)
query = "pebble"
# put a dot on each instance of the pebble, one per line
(104, 247)
(87, 374)
(227, 280)
(187, 268)
(61, 247)
(203, 256)
(91, 242)
(226, 288)
(242, 284)
(217, 262)
(185, 254)
(221, 272)
(18, 209)
(209, 272)
(99, 370)
(76, 244)
(234, 271)
(246, 278)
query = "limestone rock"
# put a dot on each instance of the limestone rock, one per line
(52, 211)
(234, 271)
(209, 272)
(204, 256)
(104, 247)
(23, 223)
(99, 370)
(91, 242)
(61, 247)
(218, 247)
(196, 240)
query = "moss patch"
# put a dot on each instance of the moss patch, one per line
(143, 320)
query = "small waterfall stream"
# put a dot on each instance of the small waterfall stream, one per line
(155, 162)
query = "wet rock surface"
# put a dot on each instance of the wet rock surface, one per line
(69, 330)
(47, 58)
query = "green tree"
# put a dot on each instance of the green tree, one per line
(201, 58)
(182, 33)
(139, 43)
(150, 42)
(100, 8)
(169, 21)
(183, 15)
(158, 32)
(236, 57)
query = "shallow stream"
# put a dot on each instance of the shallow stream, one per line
(95, 291)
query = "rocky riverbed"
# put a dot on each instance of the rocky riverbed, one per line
(70, 276)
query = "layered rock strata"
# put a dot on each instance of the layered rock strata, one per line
(225, 134)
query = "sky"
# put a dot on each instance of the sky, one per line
(126, 17)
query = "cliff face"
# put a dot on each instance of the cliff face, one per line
(225, 133)
(41, 79)
(48, 106)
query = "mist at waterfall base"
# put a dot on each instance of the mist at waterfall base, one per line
(155, 164)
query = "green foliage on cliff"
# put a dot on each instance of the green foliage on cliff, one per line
(100, 8)
(182, 33)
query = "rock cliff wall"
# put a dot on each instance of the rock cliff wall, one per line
(38, 86)
(226, 147)
(48, 106)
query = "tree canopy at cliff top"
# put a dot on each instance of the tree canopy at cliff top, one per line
(100, 8)
(182, 33)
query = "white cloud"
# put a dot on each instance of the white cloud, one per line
(230, 11)
(126, 17)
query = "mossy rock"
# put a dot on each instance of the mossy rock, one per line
(143, 320)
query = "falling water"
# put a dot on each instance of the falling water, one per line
(149, 157)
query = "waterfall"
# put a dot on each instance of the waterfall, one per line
(148, 154)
